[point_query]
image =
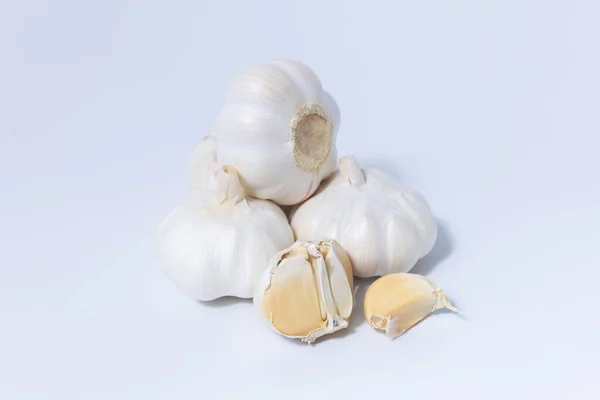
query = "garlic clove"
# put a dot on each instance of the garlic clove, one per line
(293, 284)
(395, 303)
(340, 279)
(337, 251)
(306, 291)
(328, 306)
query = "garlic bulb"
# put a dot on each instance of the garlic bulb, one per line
(220, 243)
(306, 291)
(383, 226)
(396, 302)
(278, 129)
(203, 166)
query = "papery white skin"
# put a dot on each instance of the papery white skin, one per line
(203, 165)
(254, 130)
(383, 226)
(218, 243)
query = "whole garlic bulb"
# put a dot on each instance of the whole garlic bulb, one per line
(306, 290)
(220, 243)
(278, 129)
(383, 226)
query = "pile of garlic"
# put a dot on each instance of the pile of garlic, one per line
(273, 145)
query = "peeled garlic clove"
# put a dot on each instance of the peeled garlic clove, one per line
(306, 290)
(278, 129)
(339, 271)
(218, 243)
(383, 226)
(203, 165)
(396, 302)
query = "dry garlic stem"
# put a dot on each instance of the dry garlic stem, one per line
(395, 303)
(306, 291)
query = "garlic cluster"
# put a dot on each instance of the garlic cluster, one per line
(383, 226)
(306, 290)
(396, 302)
(278, 129)
(274, 142)
(219, 243)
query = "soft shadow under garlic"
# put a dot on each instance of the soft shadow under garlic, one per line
(358, 314)
(442, 249)
(227, 301)
(439, 311)
(286, 210)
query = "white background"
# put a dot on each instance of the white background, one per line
(490, 109)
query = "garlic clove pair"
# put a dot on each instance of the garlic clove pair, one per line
(218, 243)
(383, 226)
(395, 303)
(277, 127)
(306, 291)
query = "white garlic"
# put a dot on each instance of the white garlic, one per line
(383, 226)
(306, 291)
(278, 129)
(219, 244)
(395, 303)
(203, 165)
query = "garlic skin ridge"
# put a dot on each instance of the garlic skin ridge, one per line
(278, 128)
(333, 277)
(218, 243)
(203, 165)
(383, 226)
